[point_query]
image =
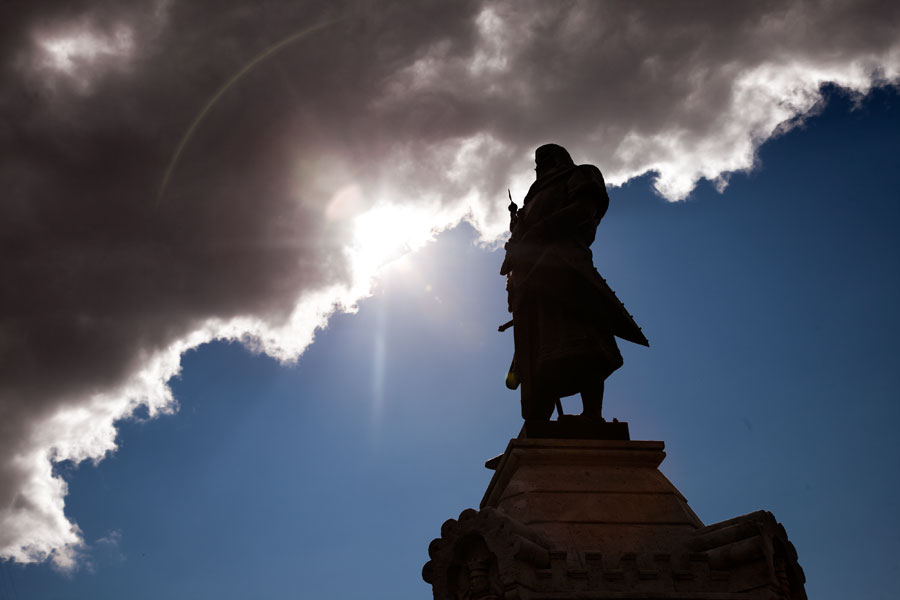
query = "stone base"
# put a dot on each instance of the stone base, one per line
(589, 518)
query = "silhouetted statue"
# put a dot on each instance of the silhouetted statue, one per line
(565, 316)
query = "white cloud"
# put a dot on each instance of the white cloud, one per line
(65, 52)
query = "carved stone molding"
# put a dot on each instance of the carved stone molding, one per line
(484, 555)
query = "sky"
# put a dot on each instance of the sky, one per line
(248, 320)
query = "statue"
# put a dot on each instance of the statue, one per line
(565, 316)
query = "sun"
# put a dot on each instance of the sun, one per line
(387, 233)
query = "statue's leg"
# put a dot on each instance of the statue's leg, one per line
(592, 400)
(535, 405)
(541, 411)
(544, 409)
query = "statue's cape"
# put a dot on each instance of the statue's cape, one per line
(623, 324)
(605, 301)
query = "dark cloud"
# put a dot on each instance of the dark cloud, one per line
(431, 107)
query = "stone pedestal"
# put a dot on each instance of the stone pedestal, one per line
(587, 518)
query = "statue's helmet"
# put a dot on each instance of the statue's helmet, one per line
(551, 156)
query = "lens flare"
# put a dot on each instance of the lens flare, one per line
(295, 37)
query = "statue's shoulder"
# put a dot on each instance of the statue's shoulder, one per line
(588, 171)
(586, 176)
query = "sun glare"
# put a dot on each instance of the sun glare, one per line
(387, 233)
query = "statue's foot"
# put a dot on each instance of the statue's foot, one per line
(582, 420)
(593, 416)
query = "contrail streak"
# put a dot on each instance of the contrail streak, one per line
(221, 92)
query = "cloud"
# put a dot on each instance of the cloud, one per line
(107, 550)
(334, 152)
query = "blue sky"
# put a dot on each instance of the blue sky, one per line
(772, 377)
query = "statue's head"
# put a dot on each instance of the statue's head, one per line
(549, 157)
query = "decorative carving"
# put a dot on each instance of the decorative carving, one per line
(473, 572)
(484, 555)
(742, 544)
